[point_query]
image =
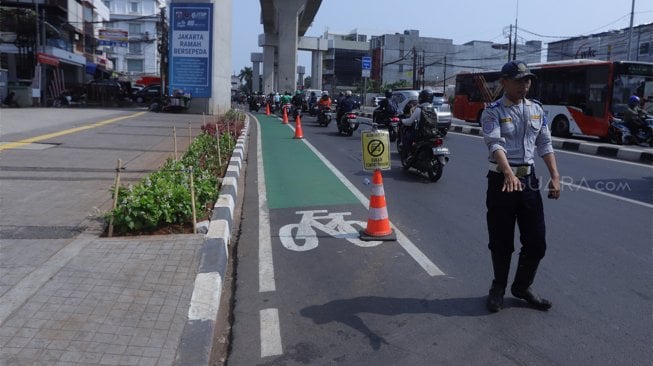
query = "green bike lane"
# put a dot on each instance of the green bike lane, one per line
(303, 274)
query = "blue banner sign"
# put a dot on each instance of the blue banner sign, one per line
(191, 28)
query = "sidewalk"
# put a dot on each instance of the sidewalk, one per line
(144, 300)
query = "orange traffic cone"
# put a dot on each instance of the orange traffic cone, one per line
(267, 109)
(285, 116)
(378, 224)
(299, 133)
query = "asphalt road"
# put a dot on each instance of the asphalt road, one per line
(342, 303)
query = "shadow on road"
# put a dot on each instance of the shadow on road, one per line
(347, 311)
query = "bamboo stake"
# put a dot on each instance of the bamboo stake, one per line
(190, 135)
(116, 190)
(217, 138)
(174, 137)
(192, 200)
(203, 120)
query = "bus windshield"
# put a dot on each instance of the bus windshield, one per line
(632, 79)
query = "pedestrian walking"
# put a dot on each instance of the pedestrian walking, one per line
(514, 130)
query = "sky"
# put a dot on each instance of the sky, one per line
(460, 20)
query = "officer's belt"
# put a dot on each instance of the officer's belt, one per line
(519, 171)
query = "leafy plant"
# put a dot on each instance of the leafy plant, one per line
(164, 198)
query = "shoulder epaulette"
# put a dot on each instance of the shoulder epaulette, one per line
(536, 102)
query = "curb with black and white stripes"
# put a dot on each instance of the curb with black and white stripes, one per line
(197, 337)
(590, 148)
(584, 147)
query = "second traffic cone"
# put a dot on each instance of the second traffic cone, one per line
(267, 109)
(299, 133)
(285, 116)
(378, 223)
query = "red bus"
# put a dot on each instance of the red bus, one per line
(579, 97)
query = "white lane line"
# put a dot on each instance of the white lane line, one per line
(599, 157)
(265, 266)
(402, 239)
(579, 187)
(270, 333)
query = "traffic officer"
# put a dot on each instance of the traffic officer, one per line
(514, 129)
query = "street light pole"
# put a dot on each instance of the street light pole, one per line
(630, 30)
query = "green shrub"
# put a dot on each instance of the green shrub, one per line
(163, 198)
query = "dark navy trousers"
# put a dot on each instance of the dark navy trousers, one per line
(504, 209)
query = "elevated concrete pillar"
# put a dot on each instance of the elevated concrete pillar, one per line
(256, 58)
(288, 26)
(269, 43)
(301, 71)
(316, 69)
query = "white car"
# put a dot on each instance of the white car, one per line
(406, 99)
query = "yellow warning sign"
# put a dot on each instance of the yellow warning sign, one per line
(376, 150)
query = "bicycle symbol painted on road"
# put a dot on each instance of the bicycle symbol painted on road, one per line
(302, 237)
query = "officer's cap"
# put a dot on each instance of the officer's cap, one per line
(516, 70)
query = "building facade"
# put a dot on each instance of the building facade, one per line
(434, 62)
(139, 18)
(404, 58)
(341, 67)
(607, 46)
(46, 45)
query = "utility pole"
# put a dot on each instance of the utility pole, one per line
(444, 77)
(414, 68)
(514, 53)
(510, 43)
(630, 30)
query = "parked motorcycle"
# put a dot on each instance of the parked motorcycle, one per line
(324, 117)
(426, 155)
(67, 99)
(348, 123)
(619, 133)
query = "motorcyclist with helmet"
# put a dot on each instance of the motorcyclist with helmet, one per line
(424, 100)
(345, 105)
(387, 107)
(297, 102)
(323, 105)
(634, 116)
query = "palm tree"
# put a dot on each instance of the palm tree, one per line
(246, 73)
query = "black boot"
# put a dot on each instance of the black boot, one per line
(501, 266)
(521, 289)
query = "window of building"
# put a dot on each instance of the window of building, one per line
(135, 47)
(135, 65)
(134, 29)
(133, 7)
(401, 68)
(644, 48)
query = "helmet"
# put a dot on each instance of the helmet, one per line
(312, 94)
(325, 93)
(388, 93)
(633, 101)
(286, 93)
(348, 93)
(298, 92)
(425, 96)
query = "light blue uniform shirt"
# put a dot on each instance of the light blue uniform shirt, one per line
(517, 129)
